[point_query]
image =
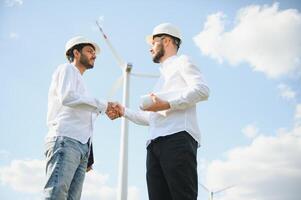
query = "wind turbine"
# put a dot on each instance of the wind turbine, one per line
(212, 193)
(125, 79)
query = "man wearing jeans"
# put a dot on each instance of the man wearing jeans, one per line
(70, 118)
(173, 125)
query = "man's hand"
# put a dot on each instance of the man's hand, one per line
(114, 110)
(158, 104)
(89, 169)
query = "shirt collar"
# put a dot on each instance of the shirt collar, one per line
(165, 65)
(76, 68)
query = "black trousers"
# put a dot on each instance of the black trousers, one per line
(172, 168)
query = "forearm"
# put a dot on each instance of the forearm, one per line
(190, 97)
(69, 93)
(84, 102)
(138, 117)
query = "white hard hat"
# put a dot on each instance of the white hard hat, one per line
(80, 40)
(165, 28)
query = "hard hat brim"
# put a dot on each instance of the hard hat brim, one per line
(68, 46)
(97, 48)
(149, 39)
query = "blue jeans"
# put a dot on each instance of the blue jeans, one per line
(66, 163)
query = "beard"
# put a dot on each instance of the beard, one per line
(160, 53)
(85, 62)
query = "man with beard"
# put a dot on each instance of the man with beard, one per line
(70, 118)
(174, 133)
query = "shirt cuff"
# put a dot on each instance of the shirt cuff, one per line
(126, 113)
(102, 107)
(173, 104)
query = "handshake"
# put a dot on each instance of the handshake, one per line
(114, 110)
(151, 103)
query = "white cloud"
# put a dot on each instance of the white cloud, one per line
(4, 153)
(286, 92)
(264, 36)
(23, 175)
(298, 112)
(95, 188)
(12, 3)
(250, 131)
(28, 176)
(14, 36)
(267, 169)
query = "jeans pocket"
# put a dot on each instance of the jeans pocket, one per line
(49, 146)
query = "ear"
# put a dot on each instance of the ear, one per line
(76, 53)
(167, 41)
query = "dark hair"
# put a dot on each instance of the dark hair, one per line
(78, 47)
(176, 41)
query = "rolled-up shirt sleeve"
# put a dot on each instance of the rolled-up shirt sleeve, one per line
(138, 117)
(69, 95)
(197, 90)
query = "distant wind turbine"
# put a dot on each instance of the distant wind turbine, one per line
(212, 193)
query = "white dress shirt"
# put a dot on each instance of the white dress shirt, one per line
(71, 111)
(177, 74)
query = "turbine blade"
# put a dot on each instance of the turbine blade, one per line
(226, 188)
(145, 75)
(120, 62)
(203, 186)
(117, 84)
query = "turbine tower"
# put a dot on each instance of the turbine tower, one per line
(125, 80)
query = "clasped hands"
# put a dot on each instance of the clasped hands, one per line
(116, 110)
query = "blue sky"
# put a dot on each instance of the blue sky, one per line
(248, 51)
